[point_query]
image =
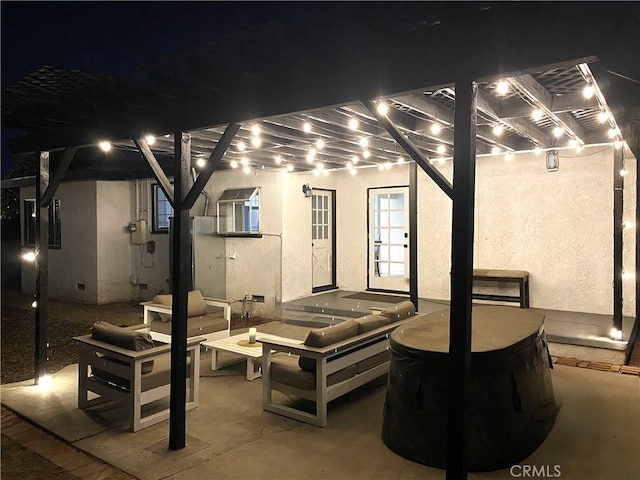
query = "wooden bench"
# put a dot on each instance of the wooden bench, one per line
(519, 277)
(338, 367)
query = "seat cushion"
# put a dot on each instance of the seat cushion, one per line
(284, 369)
(371, 322)
(124, 338)
(161, 374)
(196, 326)
(196, 305)
(400, 311)
(322, 337)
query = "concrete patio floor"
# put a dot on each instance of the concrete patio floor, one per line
(596, 434)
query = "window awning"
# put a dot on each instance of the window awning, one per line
(238, 194)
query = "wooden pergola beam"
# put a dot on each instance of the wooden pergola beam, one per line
(161, 177)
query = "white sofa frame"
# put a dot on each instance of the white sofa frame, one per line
(131, 369)
(349, 351)
(151, 306)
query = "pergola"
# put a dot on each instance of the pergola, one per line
(364, 86)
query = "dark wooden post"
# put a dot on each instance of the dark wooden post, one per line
(180, 281)
(464, 171)
(42, 268)
(413, 233)
(618, 199)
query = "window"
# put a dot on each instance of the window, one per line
(161, 210)
(55, 235)
(238, 212)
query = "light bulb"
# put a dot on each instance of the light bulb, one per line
(537, 150)
(382, 108)
(306, 126)
(244, 161)
(312, 152)
(246, 169)
(320, 166)
(400, 160)
(441, 149)
(34, 304)
(441, 161)
(588, 91)
(387, 165)
(255, 129)
(353, 123)
(105, 146)
(234, 164)
(603, 117)
(436, 128)
(536, 114)
(320, 144)
(498, 130)
(502, 88)
(364, 141)
(381, 167)
(573, 142)
(241, 146)
(29, 256)
(290, 168)
(355, 159)
(557, 132)
(150, 139)
(278, 159)
(623, 172)
(611, 133)
(617, 144)
(201, 162)
(256, 142)
(495, 150)
(508, 157)
(353, 171)
(366, 154)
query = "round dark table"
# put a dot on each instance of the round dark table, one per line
(511, 402)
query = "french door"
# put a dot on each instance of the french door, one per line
(322, 239)
(389, 239)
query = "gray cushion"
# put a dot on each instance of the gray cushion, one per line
(284, 370)
(201, 325)
(400, 311)
(124, 338)
(321, 337)
(196, 305)
(371, 322)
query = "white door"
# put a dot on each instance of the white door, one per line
(322, 238)
(389, 239)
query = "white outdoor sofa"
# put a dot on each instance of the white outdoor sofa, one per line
(201, 323)
(332, 362)
(129, 369)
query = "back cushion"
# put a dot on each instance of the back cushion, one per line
(321, 337)
(400, 311)
(196, 305)
(371, 322)
(124, 338)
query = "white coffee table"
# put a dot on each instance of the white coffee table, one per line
(252, 353)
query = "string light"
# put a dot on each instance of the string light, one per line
(366, 154)
(383, 108)
(441, 149)
(353, 171)
(234, 164)
(502, 88)
(34, 304)
(246, 169)
(603, 117)
(617, 144)
(201, 162)
(355, 159)
(436, 128)
(498, 130)
(244, 161)
(241, 146)
(387, 165)
(537, 150)
(381, 167)
(255, 129)
(306, 126)
(353, 123)
(150, 139)
(611, 133)
(588, 91)
(536, 114)
(400, 160)
(320, 144)
(278, 159)
(105, 146)
(495, 150)
(290, 168)
(256, 142)
(364, 141)
(320, 166)
(558, 132)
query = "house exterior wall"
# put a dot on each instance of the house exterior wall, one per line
(113, 241)
(75, 263)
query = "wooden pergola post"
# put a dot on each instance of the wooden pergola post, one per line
(41, 267)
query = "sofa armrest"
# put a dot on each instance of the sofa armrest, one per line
(130, 355)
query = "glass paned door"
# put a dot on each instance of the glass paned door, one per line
(389, 239)
(322, 238)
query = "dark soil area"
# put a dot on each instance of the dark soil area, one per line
(65, 321)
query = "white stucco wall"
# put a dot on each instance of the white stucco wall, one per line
(113, 247)
(76, 261)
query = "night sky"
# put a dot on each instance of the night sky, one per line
(114, 37)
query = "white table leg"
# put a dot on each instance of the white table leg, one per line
(214, 359)
(251, 373)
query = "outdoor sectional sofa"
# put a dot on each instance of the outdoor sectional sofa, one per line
(201, 323)
(332, 361)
